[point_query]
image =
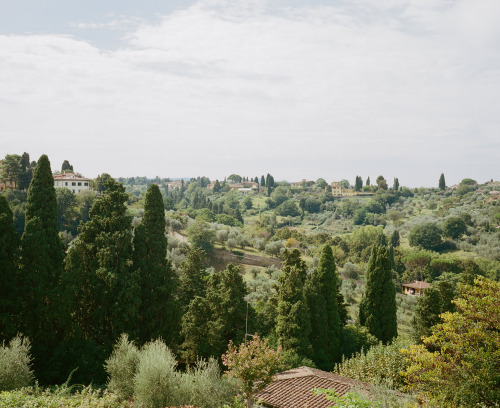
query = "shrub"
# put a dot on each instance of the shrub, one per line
(15, 364)
(156, 382)
(121, 368)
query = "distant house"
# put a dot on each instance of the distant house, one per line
(414, 288)
(176, 184)
(244, 185)
(294, 388)
(71, 181)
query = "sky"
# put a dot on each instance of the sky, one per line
(299, 89)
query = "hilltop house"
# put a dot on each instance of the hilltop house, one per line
(72, 181)
(414, 288)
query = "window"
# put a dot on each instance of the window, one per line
(73, 191)
(65, 183)
(85, 184)
(79, 183)
(73, 184)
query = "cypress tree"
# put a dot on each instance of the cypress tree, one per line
(377, 310)
(41, 265)
(329, 286)
(395, 187)
(157, 315)
(442, 182)
(103, 292)
(9, 254)
(293, 323)
(192, 276)
(368, 181)
(262, 181)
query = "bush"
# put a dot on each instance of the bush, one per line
(121, 368)
(15, 364)
(150, 377)
(156, 382)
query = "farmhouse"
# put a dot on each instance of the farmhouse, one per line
(71, 181)
(414, 288)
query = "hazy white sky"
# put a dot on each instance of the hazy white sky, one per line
(299, 89)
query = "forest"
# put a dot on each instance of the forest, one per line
(141, 292)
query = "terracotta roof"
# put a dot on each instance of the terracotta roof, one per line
(294, 388)
(417, 285)
(69, 176)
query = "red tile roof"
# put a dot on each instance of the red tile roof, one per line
(294, 388)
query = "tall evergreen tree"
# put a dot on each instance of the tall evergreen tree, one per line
(66, 166)
(377, 310)
(442, 182)
(192, 276)
(9, 254)
(41, 265)
(262, 181)
(368, 182)
(103, 292)
(358, 184)
(212, 321)
(321, 295)
(293, 324)
(158, 311)
(426, 314)
(395, 187)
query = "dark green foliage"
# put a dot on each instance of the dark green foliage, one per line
(355, 338)
(66, 209)
(158, 310)
(288, 209)
(382, 183)
(192, 276)
(293, 325)
(102, 290)
(442, 182)
(212, 321)
(41, 266)
(201, 236)
(426, 236)
(101, 182)
(358, 184)
(377, 310)
(321, 296)
(427, 313)
(454, 227)
(66, 167)
(9, 253)
(11, 169)
(395, 240)
(395, 187)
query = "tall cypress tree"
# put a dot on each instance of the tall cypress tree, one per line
(442, 182)
(158, 311)
(102, 290)
(9, 254)
(41, 265)
(395, 187)
(329, 286)
(293, 323)
(192, 276)
(377, 310)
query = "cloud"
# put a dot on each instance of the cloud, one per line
(402, 88)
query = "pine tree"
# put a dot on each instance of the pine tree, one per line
(41, 265)
(9, 254)
(293, 324)
(377, 310)
(103, 292)
(66, 166)
(442, 182)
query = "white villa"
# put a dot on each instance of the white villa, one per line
(72, 181)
